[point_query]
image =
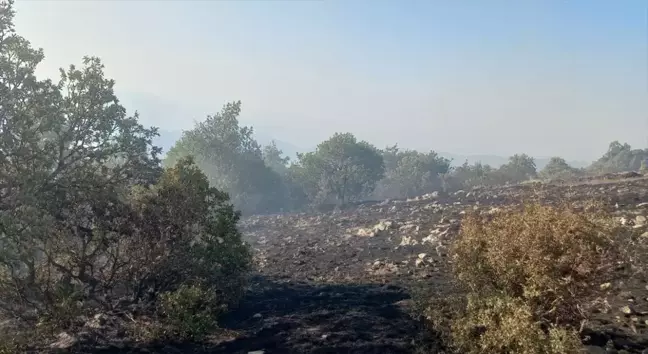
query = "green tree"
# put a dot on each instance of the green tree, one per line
(341, 168)
(186, 232)
(87, 216)
(619, 158)
(273, 158)
(409, 173)
(468, 176)
(232, 159)
(520, 167)
(67, 151)
(558, 168)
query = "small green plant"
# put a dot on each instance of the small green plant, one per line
(191, 311)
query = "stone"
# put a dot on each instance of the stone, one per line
(627, 310)
(64, 341)
(606, 286)
(408, 241)
(365, 233)
(640, 220)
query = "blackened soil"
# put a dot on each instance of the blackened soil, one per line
(286, 317)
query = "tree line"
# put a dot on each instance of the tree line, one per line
(342, 169)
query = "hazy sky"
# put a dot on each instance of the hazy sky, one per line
(561, 77)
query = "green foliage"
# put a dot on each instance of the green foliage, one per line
(341, 169)
(87, 216)
(410, 173)
(521, 167)
(273, 158)
(558, 168)
(233, 161)
(185, 231)
(619, 158)
(467, 176)
(67, 152)
(191, 311)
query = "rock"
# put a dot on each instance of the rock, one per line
(627, 310)
(257, 352)
(640, 220)
(64, 341)
(383, 226)
(606, 286)
(432, 238)
(408, 241)
(257, 315)
(422, 255)
(407, 227)
(405, 304)
(99, 320)
(645, 234)
(365, 233)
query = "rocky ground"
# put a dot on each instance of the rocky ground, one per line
(343, 281)
(398, 246)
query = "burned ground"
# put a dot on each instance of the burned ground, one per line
(345, 281)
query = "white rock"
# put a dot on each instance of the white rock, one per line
(64, 341)
(408, 241)
(365, 233)
(432, 238)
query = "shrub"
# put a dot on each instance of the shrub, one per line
(502, 324)
(191, 311)
(529, 276)
(550, 257)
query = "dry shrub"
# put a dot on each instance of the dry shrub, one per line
(502, 324)
(551, 257)
(530, 275)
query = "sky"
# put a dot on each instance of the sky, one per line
(543, 77)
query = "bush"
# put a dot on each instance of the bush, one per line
(529, 276)
(551, 257)
(191, 311)
(143, 242)
(502, 324)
